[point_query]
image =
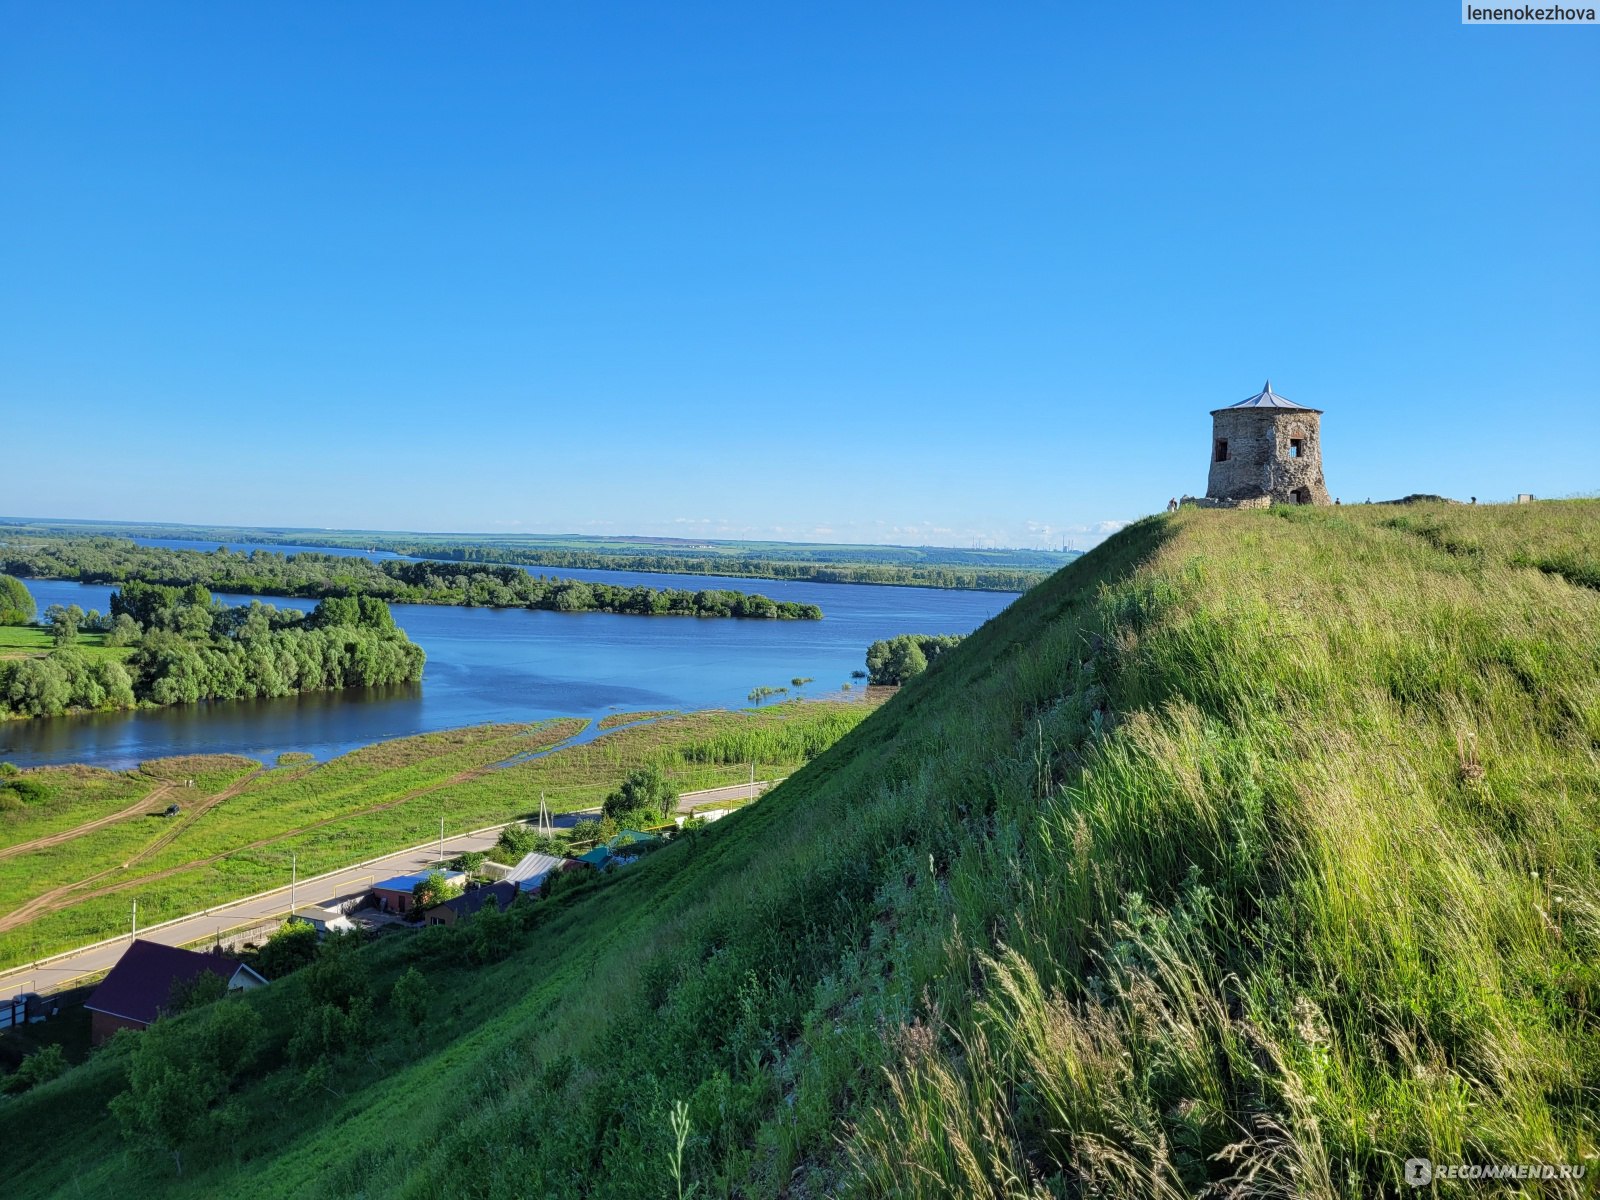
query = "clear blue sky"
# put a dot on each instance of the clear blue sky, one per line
(871, 272)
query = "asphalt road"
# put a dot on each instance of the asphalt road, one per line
(61, 972)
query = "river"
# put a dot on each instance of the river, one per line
(517, 665)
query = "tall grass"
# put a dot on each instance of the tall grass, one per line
(1319, 899)
(1251, 855)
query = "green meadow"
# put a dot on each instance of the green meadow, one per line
(25, 641)
(371, 801)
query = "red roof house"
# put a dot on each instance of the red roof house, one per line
(140, 986)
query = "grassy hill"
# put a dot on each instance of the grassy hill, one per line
(1252, 854)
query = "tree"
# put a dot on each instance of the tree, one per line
(17, 606)
(41, 1066)
(409, 1000)
(430, 891)
(340, 991)
(492, 932)
(145, 602)
(895, 660)
(590, 830)
(123, 631)
(470, 861)
(645, 795)
(114, 683)
(292, 945)
(514, 842)
(37, 687)
(64, 623)
(334, 611)
(905, 660)
(180, 1076)
(196, 992)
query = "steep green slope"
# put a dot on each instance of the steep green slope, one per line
(1254, 852)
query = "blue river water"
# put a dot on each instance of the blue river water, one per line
(517, 665)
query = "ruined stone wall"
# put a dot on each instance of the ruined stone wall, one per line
(1259, 463)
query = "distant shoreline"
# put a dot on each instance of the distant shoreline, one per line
(954, 568)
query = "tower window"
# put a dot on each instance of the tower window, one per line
(1222, 449)
(1297, 447)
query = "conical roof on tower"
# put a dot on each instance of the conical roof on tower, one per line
(1266, 398)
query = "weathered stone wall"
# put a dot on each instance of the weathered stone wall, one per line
(1259, 463)
(1213, 502)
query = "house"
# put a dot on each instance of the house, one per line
(459, 908)
(139, 987)
(599, 858)
(396, 895)
(324, 920)
(529, 874)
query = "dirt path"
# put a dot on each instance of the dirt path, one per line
(67, 893)
(183, 822)
(155, 796)
(70, 893)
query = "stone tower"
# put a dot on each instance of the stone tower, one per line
(1266, 450)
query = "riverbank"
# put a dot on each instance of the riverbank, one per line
(395, 580)
(73, 890)
(505, 666)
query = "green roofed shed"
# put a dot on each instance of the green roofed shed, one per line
(631, 837)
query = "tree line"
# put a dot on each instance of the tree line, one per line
(187, 647)
(892, 661)
(315, 576)
(1004, 570)
(983, 579)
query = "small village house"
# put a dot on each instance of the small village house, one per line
(459, 908)
(630, 844)
(139, 987)
(530, 873)
(323, 920)
(396, 895)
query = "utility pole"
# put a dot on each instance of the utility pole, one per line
(135, 918)
(294, 879)
(546, 826)
(441, 839)
(752, 779)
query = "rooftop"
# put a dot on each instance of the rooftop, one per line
(1266, 398)
(140, 985)
(406, 883)
(533, 866)
(464, 905)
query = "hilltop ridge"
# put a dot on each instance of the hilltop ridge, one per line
(1253, 853)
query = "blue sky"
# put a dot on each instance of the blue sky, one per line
(907, 273)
